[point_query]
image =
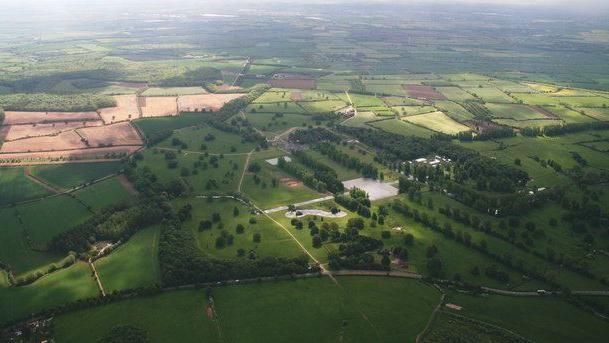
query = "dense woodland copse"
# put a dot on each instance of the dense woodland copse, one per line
(54, 102)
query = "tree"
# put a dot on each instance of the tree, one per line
(235, 212)
(316, 241)
(385, 261)
(257, 237)
(240, 228)
(434, 267)
(409, 239)
(205, 225)
(215, 217)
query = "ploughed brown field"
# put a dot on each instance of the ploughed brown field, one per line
(423, 92)
(126, 109)
(293, 83)
(122, 133)
(14, 132)
(208, 102)
(18, 117)
(158, 106)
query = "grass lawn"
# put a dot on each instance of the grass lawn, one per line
(437, 121)
(539, 319)
(570, 116)
(363, 309)
(66, 176)
(274, 242)
(133, 264)
(44, 219)
(105, 193)
(17, 187)
(55, 289)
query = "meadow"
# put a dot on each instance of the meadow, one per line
(133, 264)
(67, 176)
(361, 309)
(17, 187)
(105, 193)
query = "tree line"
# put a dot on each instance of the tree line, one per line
(348, 161)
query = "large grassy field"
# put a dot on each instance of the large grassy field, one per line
(44, 219)
(17, 187)
(361, 309)
(226, 176)
(14, 249)
(66, 176)
(104, 193)
(66, 285)
(152, 126)
(402, 127)
(274, 241)
(133, 264)
(538, 319)
(217, 142)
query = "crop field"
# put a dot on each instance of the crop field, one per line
(402, 127)
(158, 106)
(293, 83)
(204, 102)
(455, 93)
(323, 106)
(490, 94)
(528, 123)
(16, 186)
(14, 248)
(395, 308)
(46, 218)
(569, 116)
(361, 119)
(276, 107)
(133, 264)
(453, 110)
(109, 135)
(437, 121)
(15, 132)
(66, 176)
(173, 91)
(15, 118)
(423, 92)
(412, 110)
(126, 109)
(274, 241)
(104, 193)
(597, 113)
(516, 112)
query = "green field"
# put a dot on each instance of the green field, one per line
(490, 94)
(66, 176)
(133, 264)
(539, 319)
(14, 249)
(271, 122)
(104, 193)
(516, 112)
(221, 143)
(153, 126)
(437, 121)
(274, 241)
(455, 93)
(66, 285)
(362, 309)
(44, 219)
(17, 187)
(402, 127)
